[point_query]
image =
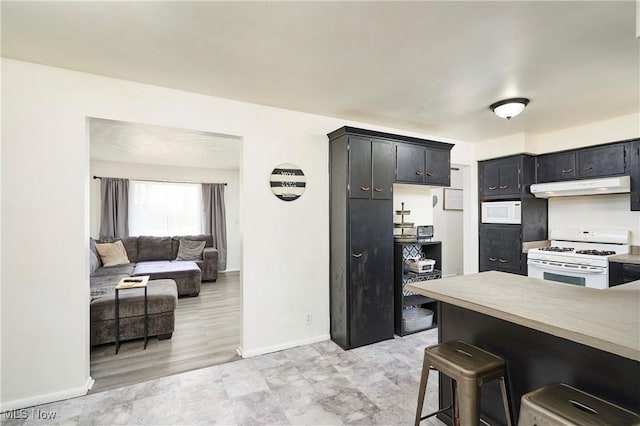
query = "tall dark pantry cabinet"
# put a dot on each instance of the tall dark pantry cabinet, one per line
(361, 217)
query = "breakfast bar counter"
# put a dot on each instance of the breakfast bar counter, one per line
(546, 331)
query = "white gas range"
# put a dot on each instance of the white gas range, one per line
(578, 256)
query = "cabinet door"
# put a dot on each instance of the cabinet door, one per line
(555, 167)
(635, 175)
(490, 180)
(383, 168)
(438, 167)
(603, 161)
(371, 271)
(410, 163)
(500, 248)
(359, 167)
(509, 180)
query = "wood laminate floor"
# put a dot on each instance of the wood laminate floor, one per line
(207, 332)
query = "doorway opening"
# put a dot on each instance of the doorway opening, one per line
(166, 170)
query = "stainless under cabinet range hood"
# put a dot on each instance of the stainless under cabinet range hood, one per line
(600, 186)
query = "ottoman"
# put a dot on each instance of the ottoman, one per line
(185, 273)
(162, 298)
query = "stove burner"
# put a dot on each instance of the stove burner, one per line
(558, 249)
(596, 252)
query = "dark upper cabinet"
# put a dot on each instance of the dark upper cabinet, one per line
(500, 248)
(587, 163)
(370, 168)
(359, 167)
(410, 163)
(382, 168)
(602, 161)
(556, 166)
(634, 155)
(507, 177)
(423, 165)
(438, 167)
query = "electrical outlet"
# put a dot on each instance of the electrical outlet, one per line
(307, 318)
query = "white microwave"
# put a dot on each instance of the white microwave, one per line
(501, 212)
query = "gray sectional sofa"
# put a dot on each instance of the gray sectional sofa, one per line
(169, 278)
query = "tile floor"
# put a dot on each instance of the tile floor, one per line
(318, 384)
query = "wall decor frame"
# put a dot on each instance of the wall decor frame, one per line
(287, 182)
(452, 199)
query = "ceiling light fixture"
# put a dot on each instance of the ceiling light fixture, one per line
(509, 107)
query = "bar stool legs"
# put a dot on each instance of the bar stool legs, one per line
(469, 368)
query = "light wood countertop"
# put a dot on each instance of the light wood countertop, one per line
(625, 258)
(608, 319)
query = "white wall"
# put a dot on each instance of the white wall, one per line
(595, 211)
(448, 228)
(45, 223)
(186, 174)
(417, 199)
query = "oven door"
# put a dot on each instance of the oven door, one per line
(568, 273)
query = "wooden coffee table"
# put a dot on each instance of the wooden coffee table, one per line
(127, 284)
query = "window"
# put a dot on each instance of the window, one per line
(164, 209)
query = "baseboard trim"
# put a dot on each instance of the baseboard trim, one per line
(282, 346)
(229, 270)
(47, 398)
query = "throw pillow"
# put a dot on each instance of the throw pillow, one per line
(112, 254)
(94, 262)
(190, 250)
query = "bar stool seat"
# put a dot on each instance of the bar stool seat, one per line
(562, 405)
(468, 367)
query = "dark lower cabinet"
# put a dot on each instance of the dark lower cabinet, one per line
(501, 248)
(370, 286)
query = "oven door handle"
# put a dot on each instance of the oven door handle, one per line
(600, 270)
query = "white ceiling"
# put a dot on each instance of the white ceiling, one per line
(431, 67)
(147, 144)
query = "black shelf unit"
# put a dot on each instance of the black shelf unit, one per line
(404, 299)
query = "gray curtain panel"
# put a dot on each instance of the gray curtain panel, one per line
(215, 222)
(114, 221)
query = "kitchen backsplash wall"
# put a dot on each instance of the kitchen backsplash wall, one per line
(596, 211)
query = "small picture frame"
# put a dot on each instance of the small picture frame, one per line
(452, 199)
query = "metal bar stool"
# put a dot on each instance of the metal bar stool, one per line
(562, 405)
(468, 367)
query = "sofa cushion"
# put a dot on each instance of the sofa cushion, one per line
(162, 296)
(175, 242)
(92, 247)
(190, 250)
(100, 286)
(94, 262)
(114, 270)
(166, 269)
(112, 254)
(154, 248)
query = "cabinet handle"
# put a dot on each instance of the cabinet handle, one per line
(357, 255)
(493, 188)
(364, 188)
(378, 189)
(503, 260)
(493, 259)
(504, 187)
(429, 174)
(419, 173)
(567, 170)
(586, 169)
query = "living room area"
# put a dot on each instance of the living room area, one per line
(164, 214)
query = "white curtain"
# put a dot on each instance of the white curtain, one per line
(165, 209)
